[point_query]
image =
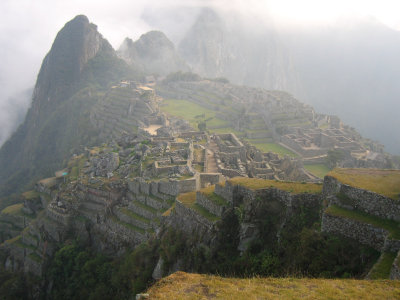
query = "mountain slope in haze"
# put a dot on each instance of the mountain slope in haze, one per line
(73, 75)
(214, 47)
(153, 53)
(352, 71)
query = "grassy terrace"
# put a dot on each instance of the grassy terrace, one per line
(182, 285)
(292, 187)
(127, 225)
(382, 269)
(392, 226)
(384, 182)
(209, 192)
(189, 200)
(319, 170)
(13, 209)
(188, 111)
(270, 147)
(135, 216)
(29, 195)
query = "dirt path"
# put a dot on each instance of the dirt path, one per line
(211, 163)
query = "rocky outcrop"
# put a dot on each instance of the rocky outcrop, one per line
(153, 53)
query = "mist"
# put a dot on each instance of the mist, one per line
(28, 29)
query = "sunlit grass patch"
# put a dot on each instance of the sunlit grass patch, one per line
(292, 187)
(319, 170)
(182, 285)
(384, 182)
(392, 226)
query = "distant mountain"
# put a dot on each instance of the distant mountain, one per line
(153, 53)
(216, 48)
(80, 65)
(349, 70)
(353, 71)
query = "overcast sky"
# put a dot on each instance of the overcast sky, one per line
(28, 28)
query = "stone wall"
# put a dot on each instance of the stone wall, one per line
(207, 179)
(359, 199)
(213, 208)
(188, 220)
(225, 191)
(364, 233)
(395, 271)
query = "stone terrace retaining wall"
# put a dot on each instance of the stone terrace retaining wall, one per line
(363, 200)
(364, 233)
(395, 271)
(213, 208)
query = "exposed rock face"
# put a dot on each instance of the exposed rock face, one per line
(74, 46)
(66, 89)
(243, 55)
(153, 53)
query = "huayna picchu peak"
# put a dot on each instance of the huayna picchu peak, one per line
(136, 168)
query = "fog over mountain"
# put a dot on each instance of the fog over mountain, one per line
(348, 68)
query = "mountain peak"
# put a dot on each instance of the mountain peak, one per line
(76, 43)
(153, 53)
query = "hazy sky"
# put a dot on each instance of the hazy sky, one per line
(28, 28)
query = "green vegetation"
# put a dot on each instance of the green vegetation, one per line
(292, 187)
(188, 111)
(319, 170)
(29, 195)
(182, 285)
(127, 225)
(209, 193)
(134, 215)
(13, 209)
(189, 200)
(392, 226)
(384, 182)
(381, 269)
(272, 147)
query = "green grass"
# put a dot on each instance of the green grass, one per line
(35, 257)
(189, 200)
(272, 147)
(209, 193)
(392, 226)
(319, 170)
(188, 111)
(384, 182)
(30, 195)
(292, 187)
(381, 270)
(133, 215)
(182, 285)
(227, 130)
(13, 209)
(127, 225)
(146, 207)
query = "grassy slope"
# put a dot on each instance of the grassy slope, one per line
(392, 226)
(384, 182)
(194, 286)
(292, 187)
(319, 170)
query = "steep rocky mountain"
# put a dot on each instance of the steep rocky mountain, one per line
(79, 66)
(153, 53)
(246, 55)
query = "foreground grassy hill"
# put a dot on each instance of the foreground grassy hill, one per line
(182, 285)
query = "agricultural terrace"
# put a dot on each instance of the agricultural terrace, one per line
(292, 187)
(384, 182)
